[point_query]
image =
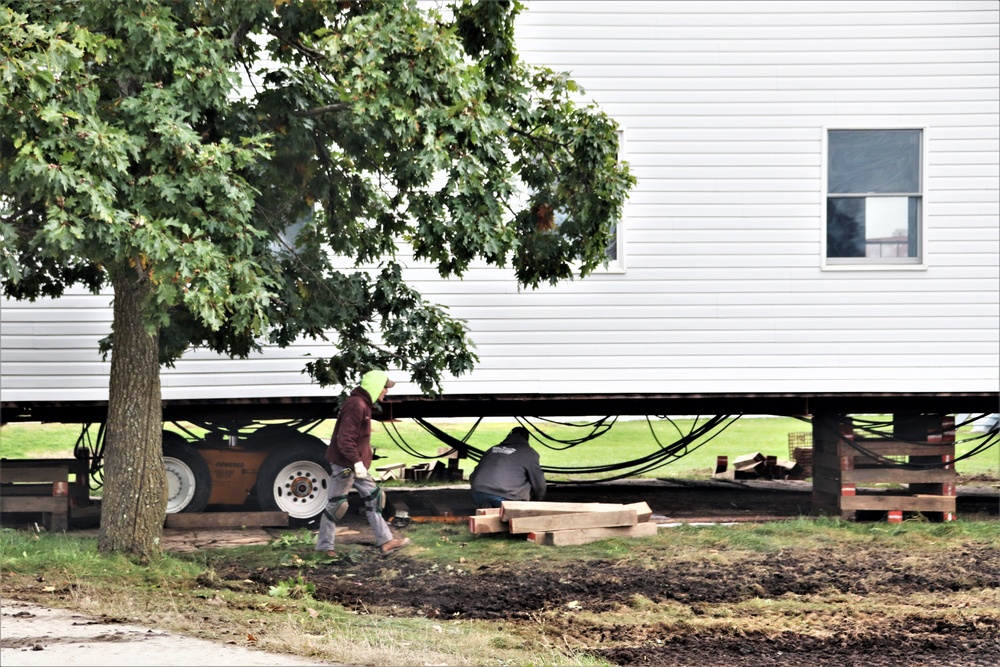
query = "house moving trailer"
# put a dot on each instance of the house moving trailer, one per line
(815, 230)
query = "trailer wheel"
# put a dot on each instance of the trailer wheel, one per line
(295, 480)
(189, 482)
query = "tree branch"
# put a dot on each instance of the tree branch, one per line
(29, 210)
(298, 46)
(240, 32)
(319, 111)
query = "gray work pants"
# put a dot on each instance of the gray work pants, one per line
(340, 486)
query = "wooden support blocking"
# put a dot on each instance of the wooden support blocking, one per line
(560, 538)
(44, 486)
(598, 519)
(520, 508)
(226, 520)
(392, 471)
(558, 524)
(487, 521)
(916, 454)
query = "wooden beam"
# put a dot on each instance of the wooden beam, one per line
(486, 523)
(440, 518)
(897, 475)
(883, 447)
(643, 512)
(599, 519)
(524, 508)
(226, 519)
(488, 511)
(921, 503)
(56, 504)
(559, 538)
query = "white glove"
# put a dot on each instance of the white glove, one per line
(360, 471)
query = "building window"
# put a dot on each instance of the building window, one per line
(874, 197)
(612, 260)
(550, 220)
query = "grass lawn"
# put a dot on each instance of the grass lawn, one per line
(564, 449)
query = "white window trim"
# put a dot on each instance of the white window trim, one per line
(923, 265)
(618, 266)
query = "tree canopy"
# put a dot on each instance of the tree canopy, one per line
(133, 142)
(250, 172)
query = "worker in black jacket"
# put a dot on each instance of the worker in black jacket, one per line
(508, 471)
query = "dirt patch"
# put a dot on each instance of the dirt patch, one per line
(718, 608)
(570, 604)
(597, 606)
(600, 586)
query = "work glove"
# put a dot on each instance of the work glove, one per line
(360, 471)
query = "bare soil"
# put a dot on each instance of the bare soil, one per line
(599, 606)
(534, 594)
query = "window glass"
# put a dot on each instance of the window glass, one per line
(612, 251)
(560, 216)
(883, 161)
(873, 209)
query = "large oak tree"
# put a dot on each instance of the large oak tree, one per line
(242, 173)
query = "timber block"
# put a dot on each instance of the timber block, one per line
(54, 509)
(480, 524)
(844, 459)
(600, 519)
(43, 486)
(510, 509)
(488, 511)
(226, 520)
(560, 538)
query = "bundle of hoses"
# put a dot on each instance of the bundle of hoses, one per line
(881, 430)
(695, 438)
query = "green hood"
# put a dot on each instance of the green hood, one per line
(373, 382)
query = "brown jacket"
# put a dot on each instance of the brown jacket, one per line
(352, 434)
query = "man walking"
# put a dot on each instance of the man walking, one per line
(350, 456)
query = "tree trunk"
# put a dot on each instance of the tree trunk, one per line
(134, 502)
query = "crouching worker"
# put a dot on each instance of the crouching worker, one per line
(350, 456)
(508, 471)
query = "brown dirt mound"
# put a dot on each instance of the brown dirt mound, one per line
(531, 592)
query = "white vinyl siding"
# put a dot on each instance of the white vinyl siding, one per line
(723, 107)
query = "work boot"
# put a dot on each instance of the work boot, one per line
(394, 545)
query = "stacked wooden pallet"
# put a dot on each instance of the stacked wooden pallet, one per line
(843, 459)
(561, 524)
(421, 472)
(44, 486)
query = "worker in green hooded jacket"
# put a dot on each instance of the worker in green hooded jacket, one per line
(350, 457)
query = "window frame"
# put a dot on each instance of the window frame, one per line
(609, 266)
(617, 265)
(875, 263)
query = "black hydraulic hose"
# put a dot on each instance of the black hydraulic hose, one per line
(598, 428)
(989, 439)
(643, 464)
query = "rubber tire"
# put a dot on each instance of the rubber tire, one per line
(295, 479)
(188, 468)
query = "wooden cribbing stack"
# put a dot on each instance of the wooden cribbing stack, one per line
(560, 524)
(844, 459)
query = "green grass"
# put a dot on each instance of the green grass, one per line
(31, 440)
(447, 546)
(626, 440)
(189, 593)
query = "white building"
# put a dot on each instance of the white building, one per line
(817, 210)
